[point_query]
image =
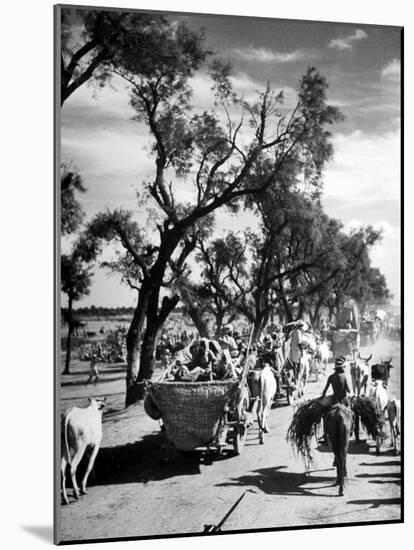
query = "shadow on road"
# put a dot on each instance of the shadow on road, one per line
(149, 459)
(376, 502)
(83, 401)
(381, 482)
(273, 481)
(387, 463)
(387, 474)
(142, 461)
(354, 448)
(103, 379)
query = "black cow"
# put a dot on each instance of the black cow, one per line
(381, 371)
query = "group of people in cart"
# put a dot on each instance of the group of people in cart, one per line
(223, 358)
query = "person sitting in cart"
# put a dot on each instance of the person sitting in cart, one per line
(230, 347)
(296, 351)
(277, 347)
(227, 341)
(203, 361)
(277, 359)
(240, 344)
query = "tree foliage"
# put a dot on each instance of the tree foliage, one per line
(96, 43)
(75, 276)
(299, 261)
(75, 272)
(71, 213)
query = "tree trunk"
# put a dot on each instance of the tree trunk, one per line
(256, 329)
(301, 310)
(219, 322)
(316, 314)
(155, 321)
(200, 322)
(140, 343)
(69, 337)
(133, 344)
(285, 303)
(331, 309)
(146, 366)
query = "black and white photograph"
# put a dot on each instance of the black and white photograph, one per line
(228, 331)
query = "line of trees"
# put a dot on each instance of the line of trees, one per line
(300, 261)
(256, 155)
(75, 270)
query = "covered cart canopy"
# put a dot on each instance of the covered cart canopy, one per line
(344, 341)
(191, 412)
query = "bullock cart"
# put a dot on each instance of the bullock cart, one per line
(212, 415)
(344, 341)
(289, 381)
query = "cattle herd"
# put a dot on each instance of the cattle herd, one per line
(277, 365)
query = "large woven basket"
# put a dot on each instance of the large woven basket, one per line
(191, 412)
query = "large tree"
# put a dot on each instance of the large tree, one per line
(208, 157)
(75, 283)
(75, 275)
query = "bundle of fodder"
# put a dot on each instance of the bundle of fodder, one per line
(304, 426)
(371, 418)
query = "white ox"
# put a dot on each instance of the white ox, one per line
(379, 395)
(308, 348)
(394, 419)
(81, 430)
(322, 356)
(263, 388)
(360, 374)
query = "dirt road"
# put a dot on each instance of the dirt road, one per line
(134, 494)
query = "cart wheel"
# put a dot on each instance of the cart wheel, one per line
(239, 438)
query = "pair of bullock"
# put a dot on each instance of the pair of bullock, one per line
(380, 375)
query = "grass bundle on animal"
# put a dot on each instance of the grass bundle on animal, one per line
(308, 417)
(304, 426)
(371, 418)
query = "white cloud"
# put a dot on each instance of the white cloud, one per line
(364, 181)
(392, 71)
(112, 99)
(365, 167)
(265, 55)
(346, 43)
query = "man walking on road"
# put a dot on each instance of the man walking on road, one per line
(93, 369)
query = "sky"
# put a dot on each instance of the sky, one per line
(361, 184)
